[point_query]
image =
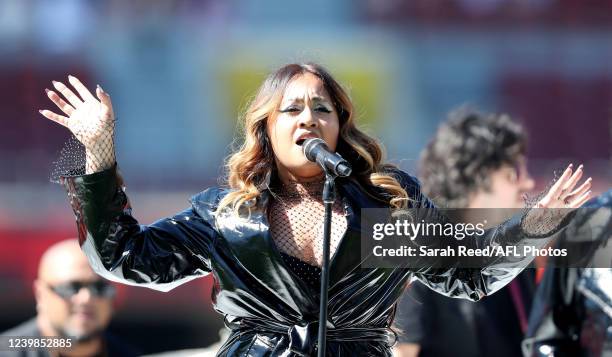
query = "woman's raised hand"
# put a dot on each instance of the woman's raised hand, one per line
(90, 119)
(563, 193)
(562, 198)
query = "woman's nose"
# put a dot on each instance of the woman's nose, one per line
(307, 120)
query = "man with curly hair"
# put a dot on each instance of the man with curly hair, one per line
(474, 161)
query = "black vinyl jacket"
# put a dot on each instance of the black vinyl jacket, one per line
(270, 311)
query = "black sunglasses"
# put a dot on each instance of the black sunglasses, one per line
(98, 288)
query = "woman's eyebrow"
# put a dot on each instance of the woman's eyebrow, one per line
(293, 100)
(320, 99)
(315, 98)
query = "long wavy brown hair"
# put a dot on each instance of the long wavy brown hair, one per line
(251, 166)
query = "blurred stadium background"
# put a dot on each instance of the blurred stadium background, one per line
(179, 72)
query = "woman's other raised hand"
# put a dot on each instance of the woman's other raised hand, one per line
(90, 119)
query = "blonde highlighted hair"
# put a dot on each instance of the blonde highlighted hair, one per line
(250, 168)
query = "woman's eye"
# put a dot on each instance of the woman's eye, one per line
(323, 110)
(290, 110)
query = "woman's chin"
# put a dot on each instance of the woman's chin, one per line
(308, 170)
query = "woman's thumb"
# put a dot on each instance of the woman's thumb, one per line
(103, 96)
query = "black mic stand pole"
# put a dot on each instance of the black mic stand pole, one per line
(329, 196)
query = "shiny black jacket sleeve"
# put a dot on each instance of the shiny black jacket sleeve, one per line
(160, 256)
(446, 275)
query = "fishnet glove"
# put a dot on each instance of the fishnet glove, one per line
(91, 120)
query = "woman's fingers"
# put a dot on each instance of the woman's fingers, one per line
(60, 119)
(68, 94)
(104, 99)
(556, 189)
(586, 185)
(57, 100)
(83, 91)
(579, 200)
(572, 181)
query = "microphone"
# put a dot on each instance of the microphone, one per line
(317, 151)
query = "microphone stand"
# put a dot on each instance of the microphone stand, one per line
(329, 196)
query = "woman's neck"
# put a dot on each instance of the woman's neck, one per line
(312, 188)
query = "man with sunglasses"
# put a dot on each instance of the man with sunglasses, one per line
(72, 303)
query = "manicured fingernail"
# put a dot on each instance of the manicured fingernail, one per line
(55, 82)
(40, 111)
(571, 165)
(47, 90)
(589, 179)
(100, 88)
(70, 76)
(580, 167)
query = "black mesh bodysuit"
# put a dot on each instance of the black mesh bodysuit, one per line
(296, 225)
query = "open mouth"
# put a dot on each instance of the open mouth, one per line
(302, 138)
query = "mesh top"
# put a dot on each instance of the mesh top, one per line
(309, 274)
(296, 221)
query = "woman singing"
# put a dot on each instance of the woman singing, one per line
(260, 236)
